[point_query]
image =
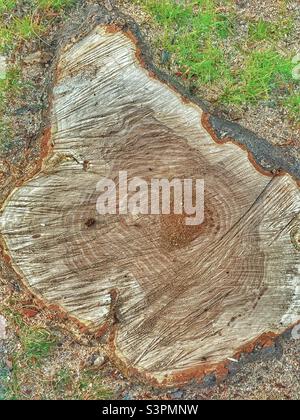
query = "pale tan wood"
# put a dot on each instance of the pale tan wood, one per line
(183, 297)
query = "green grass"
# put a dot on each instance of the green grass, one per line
(292, 103)
(168, 12)
(10, 87)
(25, 28)
(14, 30)
(87, 386)
(191, 37)
(37, 343)
(194, 35)
(6, 39)
(7, 5)
(263, 71)
(260, 30)
(37, 347)
(90, 386)
(56, 5)
(63, 381)
(19, 29)
(33, 23)
(263, 30)
(4, 375)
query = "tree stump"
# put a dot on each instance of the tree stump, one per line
(175, 301)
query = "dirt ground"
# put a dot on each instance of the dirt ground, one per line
(271, 373)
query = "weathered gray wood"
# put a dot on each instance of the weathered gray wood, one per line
(175, 298)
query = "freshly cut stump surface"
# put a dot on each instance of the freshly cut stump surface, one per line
(175, 300)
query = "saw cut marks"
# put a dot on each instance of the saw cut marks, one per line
(186, 297)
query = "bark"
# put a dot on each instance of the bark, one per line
(176, 300)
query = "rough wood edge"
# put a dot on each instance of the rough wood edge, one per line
(110, 327)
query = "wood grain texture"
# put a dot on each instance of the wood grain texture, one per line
(174, 297)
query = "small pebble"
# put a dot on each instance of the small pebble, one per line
(3, 325)
(99, 361)
(108, 4)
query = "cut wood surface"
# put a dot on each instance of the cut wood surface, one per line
(175, 300)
